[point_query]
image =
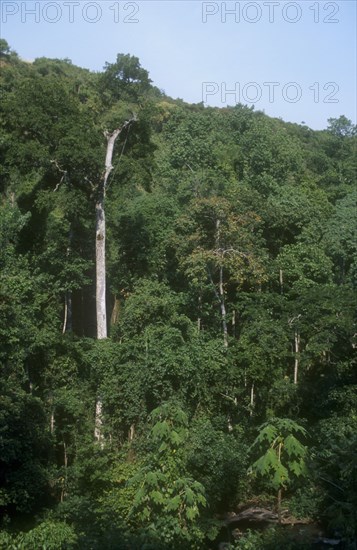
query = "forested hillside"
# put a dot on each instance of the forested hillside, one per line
(177, 316)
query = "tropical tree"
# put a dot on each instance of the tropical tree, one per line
(284, 456)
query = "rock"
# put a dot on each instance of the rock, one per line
(253, 514)
(331, 542)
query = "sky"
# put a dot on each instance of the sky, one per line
(291, 59)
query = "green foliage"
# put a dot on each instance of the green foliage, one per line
(24, 448)
(4, 47)
(306, 502)
(272, 539)
(123, 80)
(160, 499)
(48, 535)
(284, 456)
(333, 459)
(218, 220)
(341, 127)
(216, 458)
(167, 504)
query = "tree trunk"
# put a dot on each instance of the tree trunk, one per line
(101, 234)
(67, 317)
(67, 321)
(115, 311)
(281, 281)
(131, 433)
(101, 308)
(69, 311)
(251, 399)
(100, 301)
(223, 308)
(297, 350)
(52, 414)
(65, 313)
(98, 434)
(52, 423)
(199, 320)
(100, 270)
(221, 287)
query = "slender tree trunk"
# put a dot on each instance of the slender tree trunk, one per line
(223, 308)
(131, 433)
(67, 321)
(30, 384)
(221, 287)
(199, 320)
(67, 316)
(115, 311)
(98, 434)
(69, 311)
(281, 281)
(52, 414)
(52, 422)
(252, 396)
(297, 351)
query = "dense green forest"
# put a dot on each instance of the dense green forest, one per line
(211, 369)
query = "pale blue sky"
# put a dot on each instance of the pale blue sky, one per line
(307, 48)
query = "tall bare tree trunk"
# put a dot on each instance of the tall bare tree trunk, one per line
(101, 232)
(100, 238)
(100, 260)
(100, 270)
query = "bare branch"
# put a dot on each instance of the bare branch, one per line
(234, 399)
(64, 174)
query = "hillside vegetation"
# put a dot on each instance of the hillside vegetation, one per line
(225, 376)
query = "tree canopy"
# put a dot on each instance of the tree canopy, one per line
(230, 271)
